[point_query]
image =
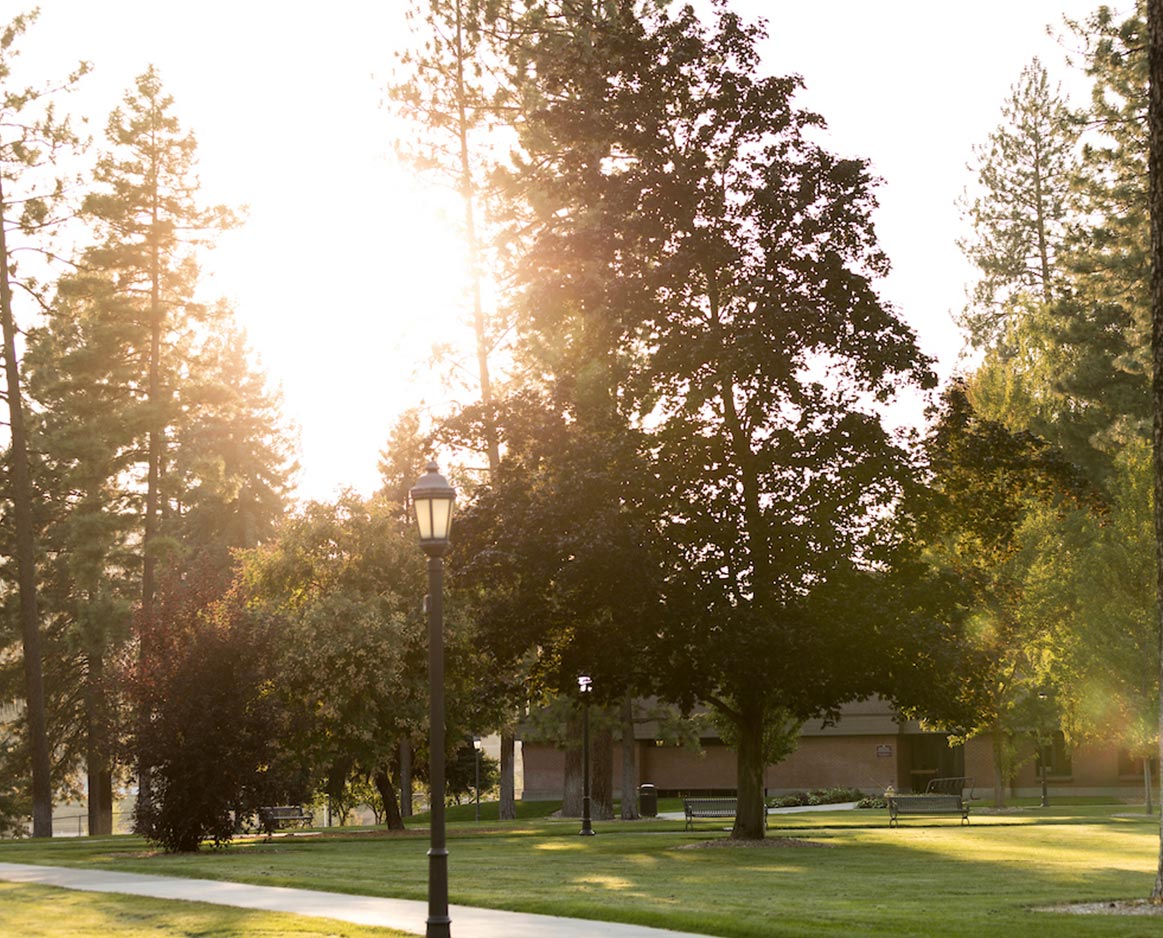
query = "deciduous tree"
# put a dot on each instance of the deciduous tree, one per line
(710, 265)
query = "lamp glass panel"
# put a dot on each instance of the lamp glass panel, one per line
(441, 518)
(423, 511)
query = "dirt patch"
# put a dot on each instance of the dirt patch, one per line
(1114, 907)
(777, 842)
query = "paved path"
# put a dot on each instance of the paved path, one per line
(403, 914)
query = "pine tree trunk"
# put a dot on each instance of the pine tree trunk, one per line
(1155, 131)
(22, 496)
(629, 766)
(571, 796)
(602, 768)
(383, 783)
(146, 635)
(508, 806)
(750, 808)
(100, 776)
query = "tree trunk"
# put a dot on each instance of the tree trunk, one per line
(999, 773)
(405, 777)
(507, 810)
(23, 498)
(1155, 132)
(750, 809)
(100, 775)
(629, 767)
(602, 769)
(156, 429)
(383, 783)
(571, 796)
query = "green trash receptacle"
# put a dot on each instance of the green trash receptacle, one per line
(647, 801)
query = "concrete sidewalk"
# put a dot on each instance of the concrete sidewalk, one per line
(403, 914)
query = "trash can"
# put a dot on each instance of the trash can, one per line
(647, 801)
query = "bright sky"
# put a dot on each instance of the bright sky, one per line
(345, 274)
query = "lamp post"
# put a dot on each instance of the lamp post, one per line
(1045, 746)
(432, 502)
(585, 686)
(476, 745)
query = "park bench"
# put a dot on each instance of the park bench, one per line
(942, 796)
(709, 808)
(275, 817)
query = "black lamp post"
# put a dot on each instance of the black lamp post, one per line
(432, 502)
(1045, 746)
(585, 686)
(476, 745)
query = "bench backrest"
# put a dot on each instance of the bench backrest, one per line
(955, 785)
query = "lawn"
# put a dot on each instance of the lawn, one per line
(832, 873)
(44, 912)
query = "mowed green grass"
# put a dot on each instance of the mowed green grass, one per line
(847, 873)
(44, 912)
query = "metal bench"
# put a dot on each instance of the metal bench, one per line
(275, 817)
(942, 796)
(707, 807)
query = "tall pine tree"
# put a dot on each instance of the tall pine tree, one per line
(31, 135)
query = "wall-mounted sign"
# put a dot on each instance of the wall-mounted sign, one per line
(884, 751)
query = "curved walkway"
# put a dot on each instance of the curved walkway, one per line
(402, 914)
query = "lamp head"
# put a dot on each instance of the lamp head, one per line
(432, 503)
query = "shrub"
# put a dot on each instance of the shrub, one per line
(211, 725)
(817, 796)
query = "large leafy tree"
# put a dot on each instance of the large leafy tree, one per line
(559, 559)
(31, 137)
(715, 268)
(986, 487)
(1090, 583)
(343, 580)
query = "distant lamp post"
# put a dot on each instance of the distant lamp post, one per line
(585, 686)
(432, 502)
(476, 745)
(1045, 749)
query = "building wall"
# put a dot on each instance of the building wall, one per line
(544, 772)
(865, 762)
(869, 748)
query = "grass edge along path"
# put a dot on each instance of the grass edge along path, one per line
(859, 878)
(32, 911)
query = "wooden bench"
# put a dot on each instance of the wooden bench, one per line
(275, 817)
(942, 796)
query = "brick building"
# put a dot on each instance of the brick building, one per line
(869, 748)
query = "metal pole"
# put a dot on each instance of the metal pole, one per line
(477, 752)
(1045, 768)
(587, 828)
(438, 920)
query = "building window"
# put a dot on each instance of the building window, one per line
(1056, 750)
